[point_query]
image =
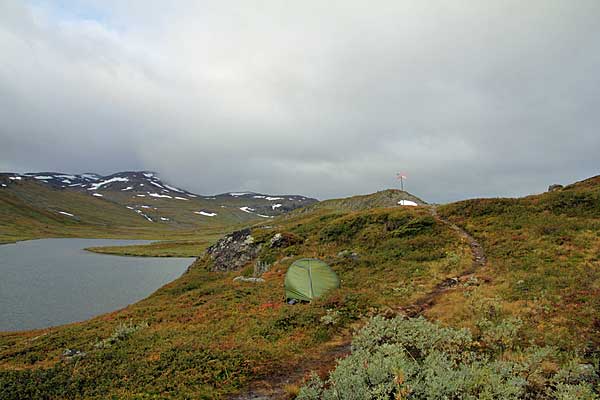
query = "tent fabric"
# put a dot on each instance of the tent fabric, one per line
(309, 278)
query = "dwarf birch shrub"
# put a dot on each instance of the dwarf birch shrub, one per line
(121, 332)
(417, 359)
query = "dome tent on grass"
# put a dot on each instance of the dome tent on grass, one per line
(309, 278)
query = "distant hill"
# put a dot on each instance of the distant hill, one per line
(381, 199)
(50, 201)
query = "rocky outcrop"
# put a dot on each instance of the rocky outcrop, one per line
(285, 239)
(555, 187)
(233, 251)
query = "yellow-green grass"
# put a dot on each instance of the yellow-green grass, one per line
(208, 336)
(543, 264)
(171, 248)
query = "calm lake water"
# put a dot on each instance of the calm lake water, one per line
(54, 281)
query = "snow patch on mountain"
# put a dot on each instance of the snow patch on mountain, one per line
(96, 186)
(407, 203)
(159, 195)
(206, 214)
(238, 194)
(173, 188)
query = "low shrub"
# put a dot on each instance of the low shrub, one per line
(416, 359)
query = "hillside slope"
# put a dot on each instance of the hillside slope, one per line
(543, 255)
(207, 336)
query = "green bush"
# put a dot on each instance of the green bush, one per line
(416, 359)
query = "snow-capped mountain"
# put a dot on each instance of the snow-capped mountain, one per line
(144, 193)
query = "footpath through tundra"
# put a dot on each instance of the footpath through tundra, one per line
(275, 387)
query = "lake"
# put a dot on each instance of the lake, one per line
(50, 282)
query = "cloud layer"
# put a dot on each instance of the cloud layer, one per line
(468, 98)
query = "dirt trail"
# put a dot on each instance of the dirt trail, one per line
(273, 387)
(478, 261)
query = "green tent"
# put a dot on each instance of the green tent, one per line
(309, 278)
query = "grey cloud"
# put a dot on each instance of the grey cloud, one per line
(469, 98)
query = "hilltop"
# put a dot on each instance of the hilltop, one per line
(381, 199)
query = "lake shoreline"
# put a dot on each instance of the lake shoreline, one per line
(56, 281)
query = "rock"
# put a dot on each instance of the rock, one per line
(348, 254)
(448, 283)
(72, 353)
(260, 267)
(233, 251)
(246, 279)
(285, 239)
(555, 187)
(276, 239)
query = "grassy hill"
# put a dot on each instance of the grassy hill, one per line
(206, 336)
(544, 260)
(127, 205)
(384, 198)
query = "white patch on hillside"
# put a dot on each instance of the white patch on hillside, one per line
(206, 214)
(148, 175)
(90, 176)
(3, 185)
(97, 195)
(274, 198)
(96, 186)
(140, 195)
(407, 203)
(127, 188)
(156, 184)
(66, 213)
(274, 206)
(66, 181)
(173, 188)
(159, 195)
(182, 198)
(164, 219)
(247, 209)
(43, 177)
(15, 178)
(264, 216)
(259, 197)
(239, 194)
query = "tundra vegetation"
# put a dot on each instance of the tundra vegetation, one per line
(524, 326)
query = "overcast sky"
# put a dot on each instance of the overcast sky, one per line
(322, 98)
